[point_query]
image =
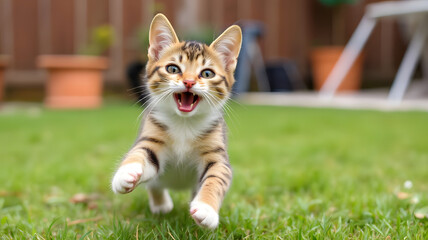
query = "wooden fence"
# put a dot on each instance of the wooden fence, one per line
(29, 28)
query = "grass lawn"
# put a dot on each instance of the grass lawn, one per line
(298, 173)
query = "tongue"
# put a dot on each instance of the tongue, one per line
(186, 100)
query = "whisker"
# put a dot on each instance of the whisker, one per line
(152, 103)
(226, 107)
(143, 99)
(210, 102)
(167, 93)
(149, 94)
(132, 89)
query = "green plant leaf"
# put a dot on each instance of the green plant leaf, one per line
(101, 39)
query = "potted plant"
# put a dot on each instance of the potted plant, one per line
(75, 81)
(4, 63)
(323, 58)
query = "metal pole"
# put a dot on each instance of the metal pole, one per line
(348, 57)
(411, 57)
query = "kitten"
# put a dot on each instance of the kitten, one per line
(182, 142)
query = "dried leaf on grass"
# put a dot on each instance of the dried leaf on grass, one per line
(92, 205)
(87, 199)
(84, 198)
(78, 221)
(403, 195)
(4, 193)
(422, 213)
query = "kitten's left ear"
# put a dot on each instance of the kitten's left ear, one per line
(161, 35)
(228, 44)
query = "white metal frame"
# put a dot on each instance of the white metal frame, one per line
(413, 53)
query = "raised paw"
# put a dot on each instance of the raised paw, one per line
(127, 177)
(204, 215)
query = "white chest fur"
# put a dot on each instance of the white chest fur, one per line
(180, 160)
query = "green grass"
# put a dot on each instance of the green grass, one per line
(298, 173)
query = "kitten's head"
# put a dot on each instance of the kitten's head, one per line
(190, 78)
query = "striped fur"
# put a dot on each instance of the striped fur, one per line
(177, 148)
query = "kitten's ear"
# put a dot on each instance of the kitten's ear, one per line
(161, 35)
(228, 44)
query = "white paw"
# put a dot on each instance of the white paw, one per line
(203, 214)
(149, 172)
(165, 207)
(127, 177)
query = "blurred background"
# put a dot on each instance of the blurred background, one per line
(286, 34)
(299, 172)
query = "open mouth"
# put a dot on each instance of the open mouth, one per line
(186, 101)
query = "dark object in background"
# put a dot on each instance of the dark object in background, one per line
(250, 58)
(283, 76)
(134, 74)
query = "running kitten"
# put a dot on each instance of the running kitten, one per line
(182, 142)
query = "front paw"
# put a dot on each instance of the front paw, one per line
(127, 177)
(204, 215)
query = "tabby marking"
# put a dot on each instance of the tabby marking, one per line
(182, 142)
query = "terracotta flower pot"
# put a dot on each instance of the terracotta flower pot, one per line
(74, 81)
(323, 60)
(4, 63)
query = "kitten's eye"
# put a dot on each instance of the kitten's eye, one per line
(207, 73)
(173, 69)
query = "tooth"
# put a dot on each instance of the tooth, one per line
(191, 106)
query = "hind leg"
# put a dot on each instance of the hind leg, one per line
(159, 200)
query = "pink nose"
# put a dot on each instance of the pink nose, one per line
(189, 83)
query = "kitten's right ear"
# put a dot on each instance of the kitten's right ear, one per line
(228, 45)
(161, 35)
